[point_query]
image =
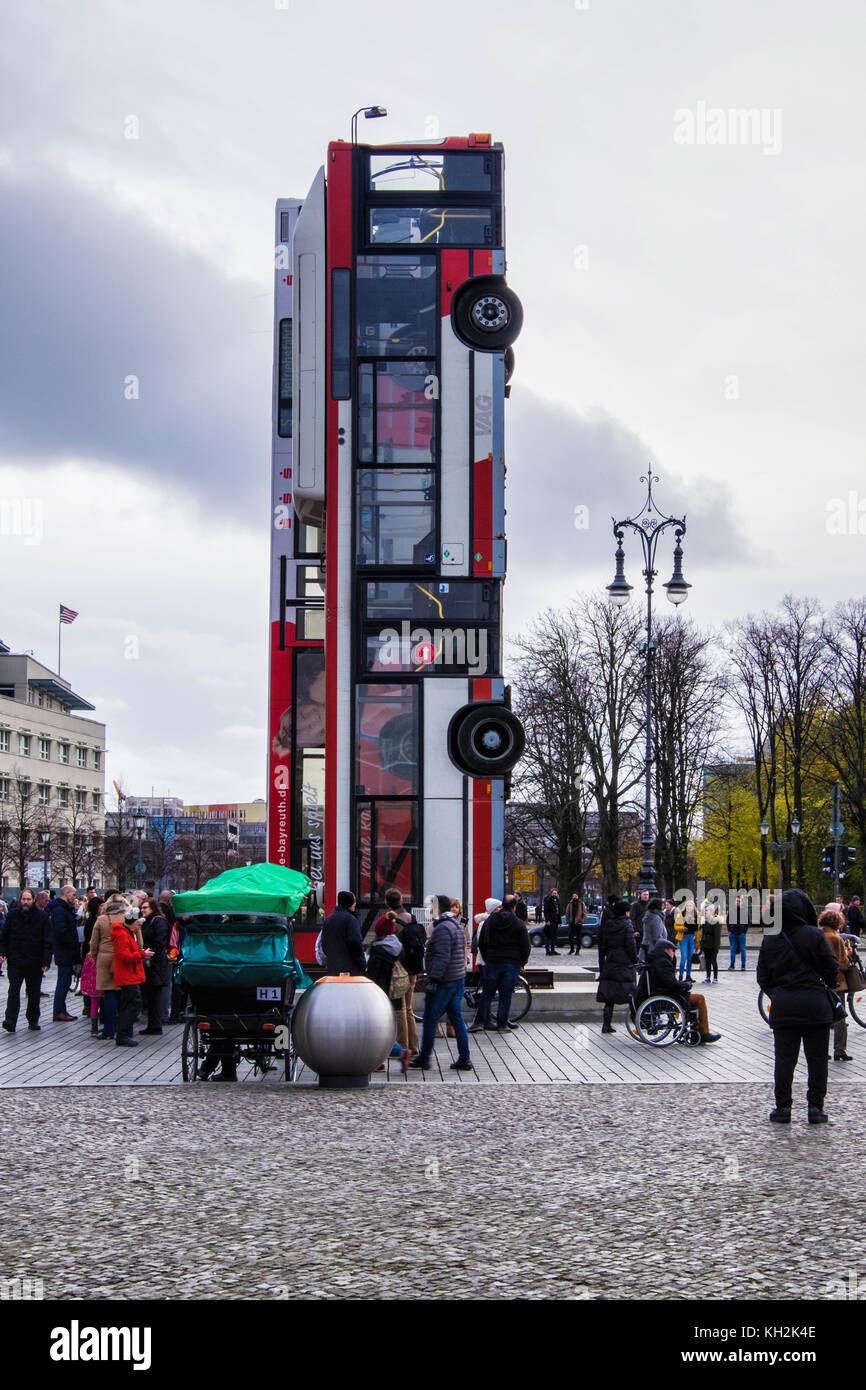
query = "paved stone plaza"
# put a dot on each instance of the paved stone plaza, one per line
(124, 1183)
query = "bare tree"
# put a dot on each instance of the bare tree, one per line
(577, 692)
(843, 736)
(689, 717)
(801, 646)
(754, 689)
(27, 819)
(77, 828)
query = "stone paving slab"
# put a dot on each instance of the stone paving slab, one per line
(543, 1053)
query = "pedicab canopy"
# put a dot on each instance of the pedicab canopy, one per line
(236, 928)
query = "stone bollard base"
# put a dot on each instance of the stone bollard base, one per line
(343, 1083)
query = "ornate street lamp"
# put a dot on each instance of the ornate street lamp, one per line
(619, 590)
(780, 847)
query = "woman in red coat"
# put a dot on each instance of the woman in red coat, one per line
(129, 976)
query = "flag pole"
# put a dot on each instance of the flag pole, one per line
(59, 631)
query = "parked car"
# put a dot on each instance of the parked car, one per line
(588, 932)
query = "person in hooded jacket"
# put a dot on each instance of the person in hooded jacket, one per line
(504, 943)
(660, 977)
(617, 956)
(711, 942)
(653, 927)
(445, 961)
(795, 965)
(157, 986)
(385, 952)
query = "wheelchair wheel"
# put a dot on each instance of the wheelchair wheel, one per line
(190, 1054)
(631, 1025)
(660, 1020)
(764, 1006)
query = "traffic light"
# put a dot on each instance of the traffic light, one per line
(827, 861)
(847, 855)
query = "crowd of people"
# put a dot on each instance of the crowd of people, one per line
(400, 948)
(121, 946)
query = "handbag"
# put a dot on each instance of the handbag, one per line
(854, 978)
(837, 1004)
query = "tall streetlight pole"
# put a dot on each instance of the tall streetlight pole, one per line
(780, 847)
(619, 591)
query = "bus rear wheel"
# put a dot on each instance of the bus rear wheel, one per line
(486, 314)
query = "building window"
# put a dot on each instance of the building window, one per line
(4, 788)
(81, 754)
(95, 801)
(44, 791)
(80, 799)
(63, 752)
(63, 797)
(4, 740)
(45, 749)
(97, 759)
(24, 745)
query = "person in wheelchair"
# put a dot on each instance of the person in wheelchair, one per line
(660, 977)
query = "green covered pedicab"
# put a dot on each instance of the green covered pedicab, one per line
(239, 971)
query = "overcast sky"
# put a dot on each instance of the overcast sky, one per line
(690, 302)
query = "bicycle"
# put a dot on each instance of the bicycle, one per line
(856, 997)
(521, 1001)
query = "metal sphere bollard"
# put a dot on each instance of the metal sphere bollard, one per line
(343, 1028)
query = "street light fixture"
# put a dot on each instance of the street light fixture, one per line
(619, 591)
(370, 113)
(780, 847)
(45, 837)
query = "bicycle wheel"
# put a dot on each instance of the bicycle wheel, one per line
(857, 1006)
(521, 1002)
(764, 1006)
(660, 1020)
(189, 1053)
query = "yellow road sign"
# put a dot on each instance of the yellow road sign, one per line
(524, 878)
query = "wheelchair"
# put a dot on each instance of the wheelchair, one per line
(660, 1021)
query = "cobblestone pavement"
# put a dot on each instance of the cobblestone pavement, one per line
(543, 1192)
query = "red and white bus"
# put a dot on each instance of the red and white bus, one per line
(390, 736)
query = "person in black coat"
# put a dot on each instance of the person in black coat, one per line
(552, 920)
(25, 945)
(856, 922)
(341, 939)
(503, 942)
(157, 987)
(794, 966)
(66, 947)
(617, 955)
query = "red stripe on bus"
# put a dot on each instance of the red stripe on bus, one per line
(482, 841)
(455, 269)
(279, 765)
(482, 540)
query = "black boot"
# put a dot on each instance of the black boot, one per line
(817, 1116)
(781, 1115)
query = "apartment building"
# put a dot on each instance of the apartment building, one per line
(52, 759)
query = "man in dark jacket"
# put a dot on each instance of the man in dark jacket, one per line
(520, 909)
(575, 916)
(552, 918)
(794, 966)
(445, 963)
(661, 977)
(67, 953)
(341, 939)
(25, 944)
(504, 944)
(856, 922)
(639, 908)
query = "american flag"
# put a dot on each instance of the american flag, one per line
(67, 615)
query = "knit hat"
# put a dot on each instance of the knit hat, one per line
(384, 927)
(492, 904)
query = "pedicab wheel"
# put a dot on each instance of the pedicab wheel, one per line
(631, 1025)
(521, 1001)
(764, 1006)
(659, 1020)
(189, 1053)
(857, 1006)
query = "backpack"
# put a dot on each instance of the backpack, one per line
(413, 939)
(399, 981)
